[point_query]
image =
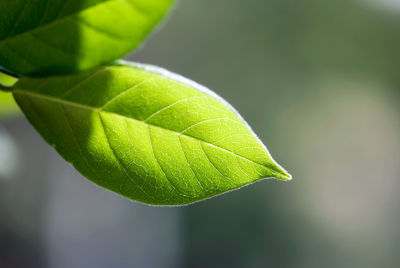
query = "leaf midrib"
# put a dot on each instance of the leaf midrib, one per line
(99, 110)
(40, 27)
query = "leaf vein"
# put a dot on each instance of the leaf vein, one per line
(54, 22)
(130, 142)
(169, 106)
(194, 174)
(245, 173)
(233, 135)
(24, 58)
(208, 120)
(155, 157)
(74, 137)
(69, 54)
(66, 3)
(68, 91)
(101, 31)
(120, 164)
(44, 12)
(123, 93)
(18, 19)
(212, 164)
(82, 106)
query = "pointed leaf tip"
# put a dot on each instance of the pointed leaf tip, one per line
(147, 134)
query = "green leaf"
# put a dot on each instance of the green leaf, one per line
(146, 133)
(8, 107)
(7, 80)
(59, 36)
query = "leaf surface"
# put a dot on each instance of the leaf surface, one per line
(146, 133)
(59, 36)
(8, 107)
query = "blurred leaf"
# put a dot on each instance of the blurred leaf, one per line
(7, 80)
(146, 133)
(8, 107)
(68, 36)
(8, 155)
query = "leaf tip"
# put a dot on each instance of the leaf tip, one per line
(280, 173)
(286, 176)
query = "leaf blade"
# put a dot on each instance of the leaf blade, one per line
(153, 132)
(8, 107)
(84, 34)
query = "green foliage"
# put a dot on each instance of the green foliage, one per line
(138, 130)
(147, 134)
(8, 107)
(58, 36)
(7, 80)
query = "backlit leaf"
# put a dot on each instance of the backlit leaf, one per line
(8, 107)
(59, 36)
(146, 133)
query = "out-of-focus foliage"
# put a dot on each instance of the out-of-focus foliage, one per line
(8, 107)
(9, 163)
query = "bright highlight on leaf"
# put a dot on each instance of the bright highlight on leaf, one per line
(146, 133)
(60, 36)
(8, 107)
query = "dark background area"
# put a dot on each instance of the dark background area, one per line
(319, 83)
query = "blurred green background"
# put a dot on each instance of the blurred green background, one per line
(319, 83)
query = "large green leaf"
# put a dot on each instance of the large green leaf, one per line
(60, 36)
(147, 134)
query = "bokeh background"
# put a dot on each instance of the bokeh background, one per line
(318, 81)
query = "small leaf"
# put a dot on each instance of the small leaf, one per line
(59, 36)
(146, 133)
(7, 80)
(8, 107)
